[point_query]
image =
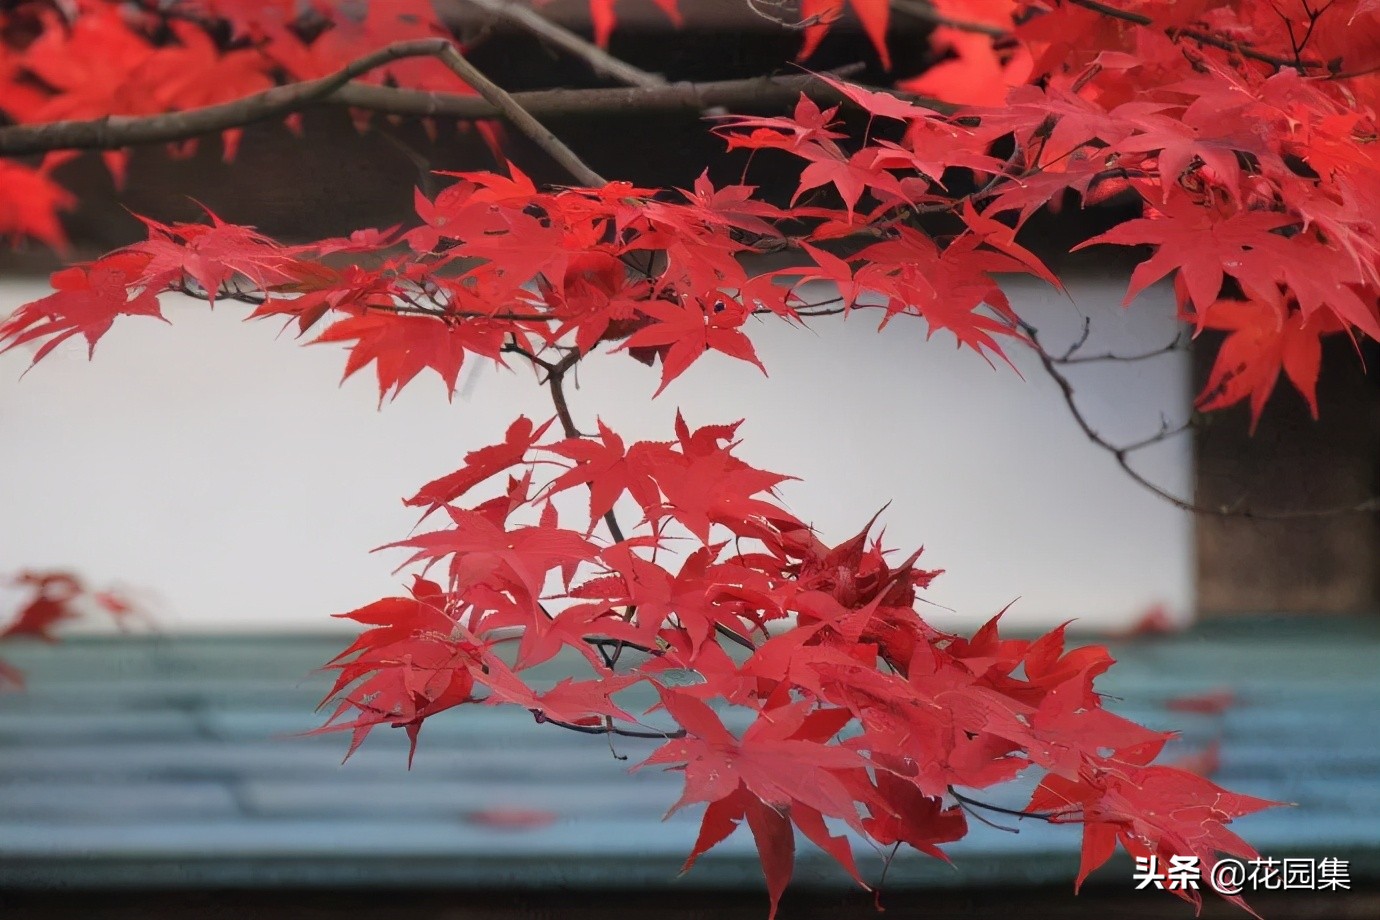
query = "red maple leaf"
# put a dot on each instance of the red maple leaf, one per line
(601, 14)
(779, 772)
(485, 554)
(821, 14)
(212, 256)
(686, 331)
(1265, 338)
(909, 816)
(1203, 244)
(606, 467)
(1152, 811)
(51, 604)
(29, 202)
(481, 464)
(86, 302)
(404, 346)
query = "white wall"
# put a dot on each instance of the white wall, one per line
(227, 474)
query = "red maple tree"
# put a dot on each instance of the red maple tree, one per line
(1243, 132)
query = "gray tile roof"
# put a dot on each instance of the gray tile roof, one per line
(154, 762)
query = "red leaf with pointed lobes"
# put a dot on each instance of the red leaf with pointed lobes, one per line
(880, 104)
(320, 289)
(601, 14)
(405, 668)
(973, 69)
(780, 771)
(1203, 244)
(480, 465)
(717, 488)
(29, 202)
(691, 596)
(822, 14)
(1265, 338)
(909, 816)
(401, 347)
(809, 124)
(1048, 666)
(1154, 810)
(850, 176)
(582, 702)
(732, 205)
(687, 331)
(604, 466)
(1002, 238)
(51, 604)
(86, 302)
(484, 553)
(211, 256)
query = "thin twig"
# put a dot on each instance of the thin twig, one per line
(1050, 816)
(608, 729)
(599, 60)
(1121, 453)
(522, 119)
(735, 638)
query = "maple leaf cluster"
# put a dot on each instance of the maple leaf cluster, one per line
(50, 600)
(859, 715)
(862, 717)
(1240, 133)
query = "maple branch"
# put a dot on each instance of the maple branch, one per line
(608, 729)
(1122, 452)
(522, 119)
(1202, 38)
(117, 131)
(1071, 354)
(599, 60)
(764, 92)
(758, 8)
(736, 638)
(1049, 816)
(514, 348)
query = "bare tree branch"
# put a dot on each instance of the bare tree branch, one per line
(599, 60)
(536, 132)
(114, 132)
(121, 131)
(1122, 454)
(753, 92)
